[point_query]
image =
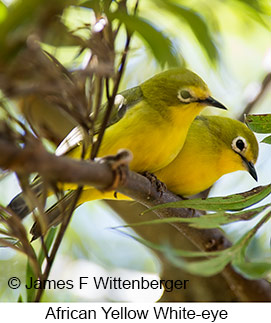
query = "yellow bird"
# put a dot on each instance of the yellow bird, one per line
(214, 146)
(151, 120)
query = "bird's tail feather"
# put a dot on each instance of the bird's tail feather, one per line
(19, 205)
(57, 212)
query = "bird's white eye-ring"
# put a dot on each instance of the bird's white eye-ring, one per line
(185, 96)
(239, 144)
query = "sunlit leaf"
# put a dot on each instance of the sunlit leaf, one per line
(254, 4)
(160, 44)
(233, 202)
(197, 24)
(204, 268)
(3, 11)
(267, 140)
(253, 270)
(260, 123)
(255, 10)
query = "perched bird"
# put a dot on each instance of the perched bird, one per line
(151, 120)
(214, 146)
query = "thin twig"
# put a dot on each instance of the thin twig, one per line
(57, 242)
(111, 100)
(110, 106)
(265, 83)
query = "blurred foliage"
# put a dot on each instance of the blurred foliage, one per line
(235, 254)
(54, 61)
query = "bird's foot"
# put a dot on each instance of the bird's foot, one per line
(160, 186)
(119, 165)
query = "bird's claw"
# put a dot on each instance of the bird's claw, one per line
(118, 163)
(160, 186)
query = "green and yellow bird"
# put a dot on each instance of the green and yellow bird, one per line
(151, 120)
(214, 147)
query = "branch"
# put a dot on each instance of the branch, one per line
(265, 83)
(34, 158)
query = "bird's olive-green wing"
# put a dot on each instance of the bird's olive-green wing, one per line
(123, 102)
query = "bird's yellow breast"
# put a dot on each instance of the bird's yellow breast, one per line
(197, 167)
(153, 138)
(187, 174)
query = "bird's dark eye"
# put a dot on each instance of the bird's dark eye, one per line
(239, 144)
(185, 96)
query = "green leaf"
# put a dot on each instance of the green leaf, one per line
(31, 292)
(206, 268)
(256, 10)
(48, 242)
(233, 202)
(3, 11)
(30, 274)
(260, 123)
(20, 299)
(206, 221)
(160, 44)
(253, 270)
(197, 24)
(253, 4)
(267, 140)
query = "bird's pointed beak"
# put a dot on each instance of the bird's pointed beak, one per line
(250, 168)
(252, 171)
(214, 103)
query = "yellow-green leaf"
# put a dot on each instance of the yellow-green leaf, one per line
(233, 202)
(267, 140)
(260, 123)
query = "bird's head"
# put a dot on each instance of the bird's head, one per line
(178, 87)
(238, 144)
